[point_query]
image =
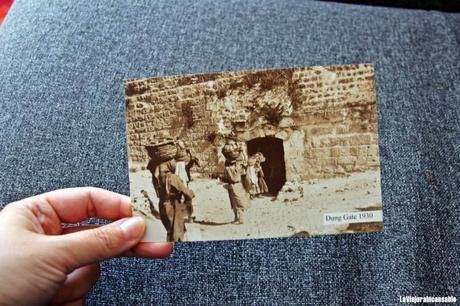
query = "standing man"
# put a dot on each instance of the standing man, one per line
(260, 158)
(252, 179)
(172, 210)
(183, 172)
(234, 171)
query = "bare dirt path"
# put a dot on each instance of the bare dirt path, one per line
(289, 215)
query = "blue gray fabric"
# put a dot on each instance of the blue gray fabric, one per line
(62, 64)
(439, 5)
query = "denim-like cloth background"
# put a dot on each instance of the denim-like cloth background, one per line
(62, 66)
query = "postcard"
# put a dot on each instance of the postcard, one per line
(289, 152)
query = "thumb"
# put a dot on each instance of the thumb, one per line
(89, 246)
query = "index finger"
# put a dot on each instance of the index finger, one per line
(78, 204)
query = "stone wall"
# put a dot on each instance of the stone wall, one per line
(326, 116)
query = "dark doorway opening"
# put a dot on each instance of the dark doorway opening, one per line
(273, 167)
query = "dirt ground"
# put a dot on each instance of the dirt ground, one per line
(290, 214)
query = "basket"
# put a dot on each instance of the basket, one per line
(162, 152)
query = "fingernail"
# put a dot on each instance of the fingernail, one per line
(133, 227)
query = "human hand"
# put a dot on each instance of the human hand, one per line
(42, 262)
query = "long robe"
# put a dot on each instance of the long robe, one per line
(263, 188)
(253, 182)
(238, 196)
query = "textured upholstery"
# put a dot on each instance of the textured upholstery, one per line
(62, 64)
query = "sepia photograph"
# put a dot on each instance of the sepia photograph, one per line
(289, 152)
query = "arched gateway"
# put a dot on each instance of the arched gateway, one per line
(274, 166)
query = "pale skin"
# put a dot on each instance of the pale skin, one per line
(42, 262)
